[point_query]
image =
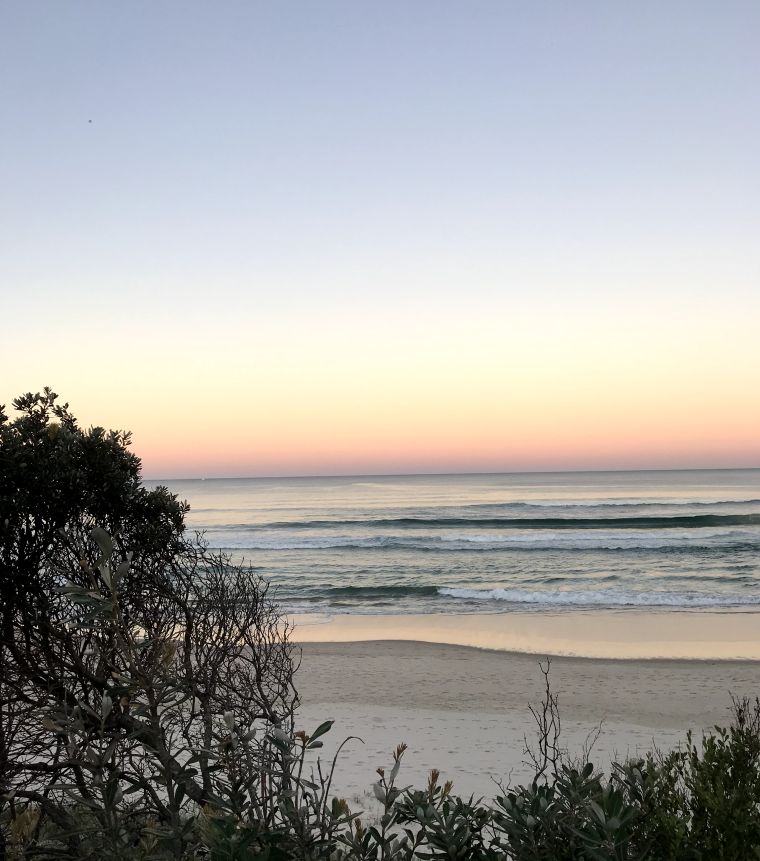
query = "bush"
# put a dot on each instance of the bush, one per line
(140, 675)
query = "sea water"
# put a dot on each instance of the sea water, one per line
(660, 540)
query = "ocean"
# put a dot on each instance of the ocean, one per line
(524, 542)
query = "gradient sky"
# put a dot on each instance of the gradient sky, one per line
(335, 237)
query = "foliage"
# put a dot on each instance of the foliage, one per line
(702, 801)
(137, 686)
(58, 481)
(145, 719)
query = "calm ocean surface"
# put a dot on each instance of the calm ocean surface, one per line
(489, 543)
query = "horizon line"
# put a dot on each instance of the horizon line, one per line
(449, 474)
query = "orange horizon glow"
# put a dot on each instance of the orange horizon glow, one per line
(557, 443)
(462, 390)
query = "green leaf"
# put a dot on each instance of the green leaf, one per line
(321, 730)
(597, 811)
(103, 540)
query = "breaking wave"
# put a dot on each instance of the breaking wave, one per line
(601, 598)
(523, 541)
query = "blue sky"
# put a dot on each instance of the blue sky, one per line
(173, 170)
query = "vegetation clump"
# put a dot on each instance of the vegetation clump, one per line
(148, 706)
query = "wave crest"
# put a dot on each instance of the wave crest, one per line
(600, 598)
(682, 541)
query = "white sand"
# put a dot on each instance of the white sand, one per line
(464, 710)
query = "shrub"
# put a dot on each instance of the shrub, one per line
(140, 675)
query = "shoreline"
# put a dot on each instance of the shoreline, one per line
(464, 710)
(536, 656)
(595, 634)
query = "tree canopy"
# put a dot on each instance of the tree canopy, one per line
(58, 481)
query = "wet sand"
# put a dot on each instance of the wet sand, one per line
(628, 633)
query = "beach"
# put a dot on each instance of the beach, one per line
(464, 710)
(423, 604)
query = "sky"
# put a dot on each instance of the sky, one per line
(325, 238)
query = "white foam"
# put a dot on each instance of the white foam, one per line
(599, 597)
(562, 539)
